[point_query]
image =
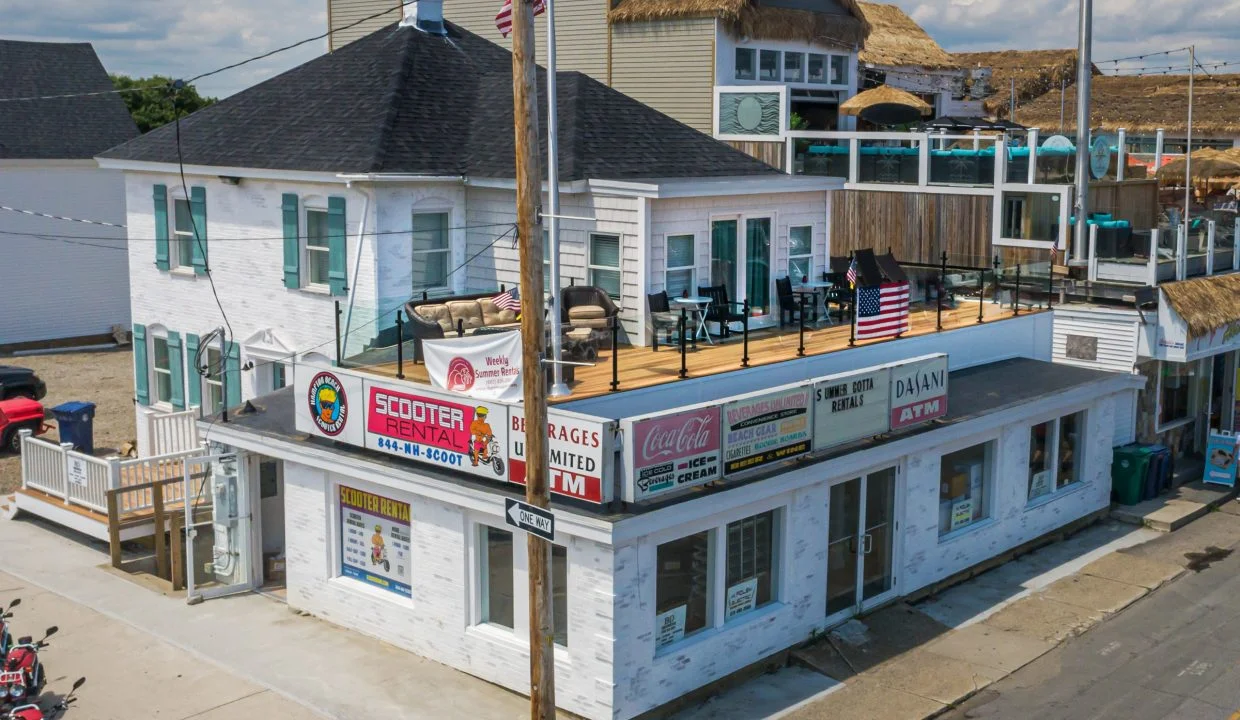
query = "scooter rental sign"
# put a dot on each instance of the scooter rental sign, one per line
(374, 540)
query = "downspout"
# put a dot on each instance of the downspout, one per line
(357, 263)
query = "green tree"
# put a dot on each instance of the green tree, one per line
(153, 102)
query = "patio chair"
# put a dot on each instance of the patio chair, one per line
(721, 309)
(586, 306)
(789, 302)
(661, 317)
(840, 293)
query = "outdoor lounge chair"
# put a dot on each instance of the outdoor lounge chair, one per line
(721, 309)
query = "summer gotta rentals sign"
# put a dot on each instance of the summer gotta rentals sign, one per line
(766, 429)
(851, 407)
(672, 451)
(484, 366)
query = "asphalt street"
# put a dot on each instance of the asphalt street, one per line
(1175, 655)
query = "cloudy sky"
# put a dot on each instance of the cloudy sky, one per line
(182, 38)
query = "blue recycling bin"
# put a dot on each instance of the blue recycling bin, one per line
(76, 421)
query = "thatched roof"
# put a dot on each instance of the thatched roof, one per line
(1211, 169)
(747, 18)
(1036, 72)
(1142, 104)
(883, 95)
(896, 40)
(1206, 304)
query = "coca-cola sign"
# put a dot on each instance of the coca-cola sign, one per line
(672, 452)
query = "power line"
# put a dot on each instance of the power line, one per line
(1141, 57)
(59, 217)
(176, 84)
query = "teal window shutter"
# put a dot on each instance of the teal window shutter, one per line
(193, 386)
(141, 376)
(177, 364)
(198, 209)
(292, 243)
(161, 227)
(232, 370)
(336, 265)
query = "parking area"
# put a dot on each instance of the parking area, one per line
(104, 378)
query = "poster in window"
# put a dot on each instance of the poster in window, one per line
(374, 540)
(1040, 484)
(669, 626)
(742, 597)
(766, 429)
(962, 514)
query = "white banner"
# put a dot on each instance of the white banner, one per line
(486, 366)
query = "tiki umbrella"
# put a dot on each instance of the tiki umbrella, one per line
(1210, 167)
(885, 105)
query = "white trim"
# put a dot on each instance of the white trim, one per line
(448, 251)
(36, 163)
(591, 266)
(1052, 461)
(306, 205)
(212, 171)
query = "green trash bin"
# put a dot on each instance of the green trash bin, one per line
(1129, 466)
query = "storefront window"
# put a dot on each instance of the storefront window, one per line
(1054, 448)
(751, 562)
(964, 480)
(559, 592)
(1176, 393)
(682, 588)
(497, 597)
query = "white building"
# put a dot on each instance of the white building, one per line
(66, 280)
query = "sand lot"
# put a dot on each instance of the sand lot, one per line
(104, 378)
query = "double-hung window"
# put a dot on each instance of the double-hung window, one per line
(279, 376)
(604, 263)
(182, 245)
(680, 265)
(965, 478)
(212, 380)
(317, 251)
(161, 368)
(751, 564)
(746, 64)
(800, 253)
(1055, 448)
(431, 251)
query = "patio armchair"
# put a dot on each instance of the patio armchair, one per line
(586, 306)
(789, 302)
(721, 309)
(661, 317)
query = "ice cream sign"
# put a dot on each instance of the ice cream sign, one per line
(672, 451)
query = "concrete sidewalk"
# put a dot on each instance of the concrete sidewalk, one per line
(238, 647)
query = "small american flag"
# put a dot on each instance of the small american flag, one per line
(882, 311)
(1054, 253)
(503, 20)
(508, 300)
(851, 275)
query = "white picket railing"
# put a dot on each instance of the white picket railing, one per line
(174, 432)
(79, 479)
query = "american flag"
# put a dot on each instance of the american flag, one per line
(503, 21)
(508, 300)
(882, 311)
(1054, 253)
(851, 275)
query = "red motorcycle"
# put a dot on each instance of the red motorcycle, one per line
(6, 639)
(34, 712)
(22, 678)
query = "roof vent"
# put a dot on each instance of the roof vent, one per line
(425, 15)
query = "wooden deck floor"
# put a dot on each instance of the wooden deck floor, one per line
(642, 367)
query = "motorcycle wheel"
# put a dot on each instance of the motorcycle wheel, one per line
(386, 566)
(497, 464)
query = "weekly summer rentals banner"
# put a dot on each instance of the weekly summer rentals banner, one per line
(487, 367)
(374, 540)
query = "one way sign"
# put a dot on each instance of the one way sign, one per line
(530, 519)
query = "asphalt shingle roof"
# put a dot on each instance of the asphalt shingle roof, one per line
(404, 101)
(63, 128)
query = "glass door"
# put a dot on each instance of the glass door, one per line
(861, 555)
(723, 256)
(217, 527)
(757, 285)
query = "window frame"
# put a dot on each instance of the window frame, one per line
(483, 575)
(779, 65)
(159, 335)
(807, 256)
(592, 267)
(1054, 436)
(711, 621)
(205, 381)
(479, 567)
(1191, 404)
(991, 462)
(313, 205)
(773, 563)
(180, 240)
(446, 250)
(826, 68)
(800, 69)
(691, 268)
(846, 70)
(753, 64)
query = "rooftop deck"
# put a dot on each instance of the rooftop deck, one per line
(639, 367)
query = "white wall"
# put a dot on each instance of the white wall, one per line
(1116, 333)
(62, 288)
(439, 621)
(393, 247)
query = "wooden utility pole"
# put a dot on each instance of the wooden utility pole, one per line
(533, 379)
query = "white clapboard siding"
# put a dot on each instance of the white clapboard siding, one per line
(1125, 419)
(1114, 331)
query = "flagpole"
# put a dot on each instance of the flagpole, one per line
(558, 388)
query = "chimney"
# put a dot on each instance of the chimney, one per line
(425, 15)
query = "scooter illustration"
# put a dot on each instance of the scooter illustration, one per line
(378, 550)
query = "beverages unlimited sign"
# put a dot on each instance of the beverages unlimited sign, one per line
(672, 452)
(765, 429)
